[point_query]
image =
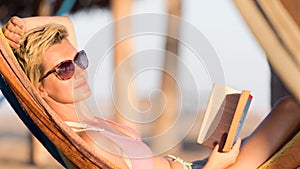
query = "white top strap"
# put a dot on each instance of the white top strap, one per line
(78, 127)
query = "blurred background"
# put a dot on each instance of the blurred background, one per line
(243, 62)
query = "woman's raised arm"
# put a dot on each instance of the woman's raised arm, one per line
(16, 27)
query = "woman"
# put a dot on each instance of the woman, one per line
(50, 59)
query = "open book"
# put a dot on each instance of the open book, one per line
(224, 116)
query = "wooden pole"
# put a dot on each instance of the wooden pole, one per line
(124, 98)
(168, 85)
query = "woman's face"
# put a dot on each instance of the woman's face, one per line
(63, 91)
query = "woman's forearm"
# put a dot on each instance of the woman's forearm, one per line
(32, 22)
(15, 28)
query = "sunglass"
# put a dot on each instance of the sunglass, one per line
(65, 69)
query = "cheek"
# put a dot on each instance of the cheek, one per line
(60, 92)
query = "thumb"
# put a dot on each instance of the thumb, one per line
(216, 148)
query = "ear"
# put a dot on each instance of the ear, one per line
(42, 90)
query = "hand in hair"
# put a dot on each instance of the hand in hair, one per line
(13, 30)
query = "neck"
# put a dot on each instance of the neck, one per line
(74, 112)
(79, 112)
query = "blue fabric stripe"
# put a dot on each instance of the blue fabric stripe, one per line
(66, 7)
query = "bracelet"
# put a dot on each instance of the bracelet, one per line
(186, 165)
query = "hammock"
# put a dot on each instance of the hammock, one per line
(73, 152)
(275, 24)
(62, 143)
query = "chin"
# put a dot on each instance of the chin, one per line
(81, 95)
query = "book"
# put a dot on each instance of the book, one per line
(224, 116)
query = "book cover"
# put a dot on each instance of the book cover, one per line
(224, 116)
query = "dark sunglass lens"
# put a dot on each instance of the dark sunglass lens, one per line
(65, 70)
(81, 60)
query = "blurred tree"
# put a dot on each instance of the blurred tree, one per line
(22, 8)
(26, 8)
(169, 84)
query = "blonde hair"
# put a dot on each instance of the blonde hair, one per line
(33, 46)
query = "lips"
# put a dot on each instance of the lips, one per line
(81, 84)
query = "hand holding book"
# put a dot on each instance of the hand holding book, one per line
(224, 159)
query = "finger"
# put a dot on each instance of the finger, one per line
(14, 29)
(13, 44)
(216, 148)
(16, 25)
(19, 31)
(12, 38)
(237, 145)
(18, 22)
